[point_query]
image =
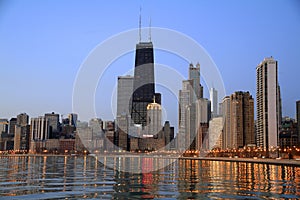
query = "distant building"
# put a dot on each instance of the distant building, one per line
(4, 126)
(21, 138)
(12, 125)
(125, 90)
(288, 136)
(268, 103)
(85, 135)
(154, 120)
(194, 75)
(226, 133)
(215, 132)
(22, 119)
(193, 110)
(73, 119)
(185, 98)
(109, 131)
(214, 102)
(238, 120)
(241, 119)
(123, 130)
(168, 133)
(39, 128)
(53, 124)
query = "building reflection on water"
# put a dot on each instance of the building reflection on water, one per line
(85, 177)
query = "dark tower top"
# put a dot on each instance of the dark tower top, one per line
(143, 84)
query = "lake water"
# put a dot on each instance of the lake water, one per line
(71, 177)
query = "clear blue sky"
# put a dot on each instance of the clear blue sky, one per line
(43, 44)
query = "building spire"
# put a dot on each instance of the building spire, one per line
(150, 30)
(140, 25)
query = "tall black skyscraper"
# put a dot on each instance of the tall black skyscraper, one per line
(143, 84)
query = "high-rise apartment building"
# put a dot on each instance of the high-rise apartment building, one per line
(268, 103)
(241, 119)
(238, 120)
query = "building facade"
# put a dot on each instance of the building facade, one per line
(268, 104)
(39, 129)
(53, 124)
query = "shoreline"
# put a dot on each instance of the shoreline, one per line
(292, 162)
(248, 160)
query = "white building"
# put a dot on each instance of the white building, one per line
(215, 132)
(268, 103)
(154, 122)
(39, 128)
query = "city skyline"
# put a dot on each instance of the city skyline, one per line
(47, 52)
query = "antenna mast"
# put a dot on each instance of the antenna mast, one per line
(150, 30)
(140, 26)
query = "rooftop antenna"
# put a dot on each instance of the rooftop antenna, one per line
(140, 25)
(150, 30)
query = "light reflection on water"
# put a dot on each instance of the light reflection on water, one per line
(61, 177)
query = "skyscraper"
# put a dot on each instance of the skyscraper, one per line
(124, 93)
(241, 119)
(21, 138)
(268, 103)
(154, 122)
(214, 101)
(193, 110)
(12, 125)
(39, 128)
(226, 134)
(53, 124)
(185, 96)
(143, 84)
(194, 74)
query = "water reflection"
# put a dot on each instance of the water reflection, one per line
(59, 177)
